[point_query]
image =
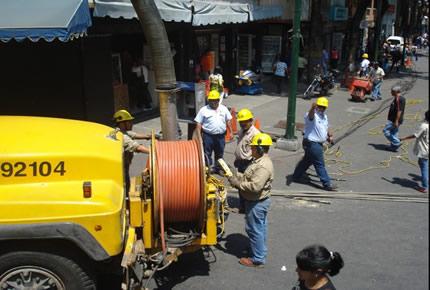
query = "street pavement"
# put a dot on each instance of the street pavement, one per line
(377, 220)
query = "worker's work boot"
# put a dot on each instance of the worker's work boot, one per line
(247, 262)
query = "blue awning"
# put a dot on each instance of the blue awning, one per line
(43, 19)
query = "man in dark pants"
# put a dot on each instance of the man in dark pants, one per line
(243, 155)
(316, 133)
(212, 121)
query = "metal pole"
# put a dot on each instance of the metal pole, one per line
(291, 114)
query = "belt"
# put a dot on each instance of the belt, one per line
(307, 140)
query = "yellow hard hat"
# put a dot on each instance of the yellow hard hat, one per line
(261, 139)
(244, 115)
(213, 95)
(322, 101)
(365, 55)
(122, 115)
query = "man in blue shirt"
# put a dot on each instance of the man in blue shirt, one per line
(316, 133)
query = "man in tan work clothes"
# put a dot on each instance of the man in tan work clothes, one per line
(124, 123)
(243, 149)
(255, 185)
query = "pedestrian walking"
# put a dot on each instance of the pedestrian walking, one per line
(301, 65)
(316, 133)
(216, 82)
(123, 120)
(324, 61)
(243, 153)
(334, 58)
(376, 76)
(142, 81)
(421, 150)
(255, 185)
(395, 119)
(314, 264)
(212, 121)
(280, 70)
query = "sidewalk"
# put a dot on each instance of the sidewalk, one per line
(342, 112)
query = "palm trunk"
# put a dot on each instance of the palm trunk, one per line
(162, 61)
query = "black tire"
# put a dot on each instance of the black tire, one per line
(61, 271)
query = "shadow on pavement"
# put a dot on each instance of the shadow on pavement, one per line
(404, 182)
(415, 177)
(382, 147)
(187, 266)
(234, 244)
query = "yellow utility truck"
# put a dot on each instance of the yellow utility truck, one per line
(65, 218)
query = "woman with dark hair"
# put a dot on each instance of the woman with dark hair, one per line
(313, 264)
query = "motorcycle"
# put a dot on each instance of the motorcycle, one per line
(248, 83)
(321, 84)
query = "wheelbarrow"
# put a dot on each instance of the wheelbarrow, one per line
(360, 87)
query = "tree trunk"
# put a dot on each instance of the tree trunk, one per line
(162, 61)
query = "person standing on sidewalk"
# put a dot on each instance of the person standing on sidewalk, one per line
(377, 76)
(314, 264)
(334, 58)
(364, 65)
(212, 121)
(324, 61)
(255, 185)
(421, 149)
(395, 119)
(124, 124)
(316, 133)
(280, 70)
(243, 153)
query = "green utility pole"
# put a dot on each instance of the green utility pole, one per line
(291, 115)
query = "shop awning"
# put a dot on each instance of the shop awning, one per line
(170, 10)
(208, 13)
(260, 12)
(46, 19)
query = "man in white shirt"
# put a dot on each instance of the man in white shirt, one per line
(212, 121)
(376, 75)
(421, 150)
(142, 80)
(364, 65)
(316, 133)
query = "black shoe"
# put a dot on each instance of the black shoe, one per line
(331, 187)
(304, 179)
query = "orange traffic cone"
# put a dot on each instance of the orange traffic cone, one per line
(228, 135)
(257, 124)
(233, 121)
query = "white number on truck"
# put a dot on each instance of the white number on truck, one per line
(22, 169)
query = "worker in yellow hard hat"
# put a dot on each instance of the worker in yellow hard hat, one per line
(243, 154)
(316, 133)
(254, 186)
(212, 122)
(124, 123)
(364, 65)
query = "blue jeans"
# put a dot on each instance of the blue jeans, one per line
(424, 166)
(391, 133)
(213, 143)
(376, 90)
(314, 155)
(256, 228)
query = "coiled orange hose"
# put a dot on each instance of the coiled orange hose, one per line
(179, 181)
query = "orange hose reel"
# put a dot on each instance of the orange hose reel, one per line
(179, 193)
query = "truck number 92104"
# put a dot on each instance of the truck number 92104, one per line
(22, 169)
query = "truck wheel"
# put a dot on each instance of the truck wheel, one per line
(37, 270)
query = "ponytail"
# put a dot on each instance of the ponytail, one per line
(336, 263)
